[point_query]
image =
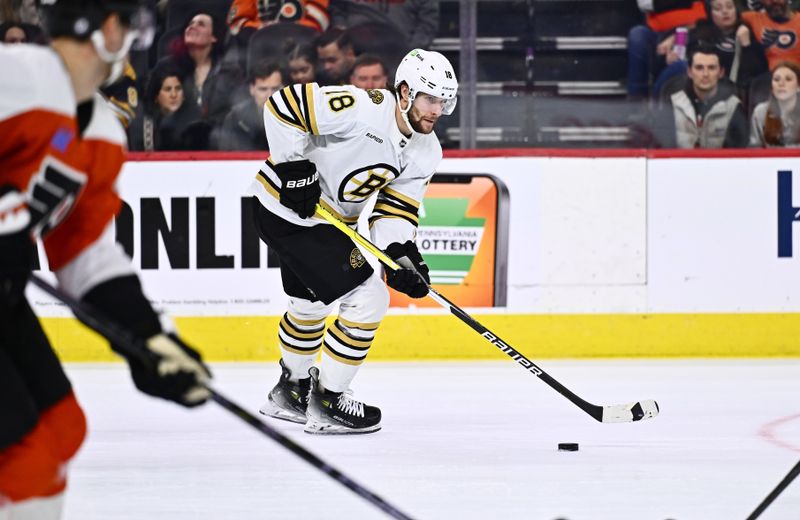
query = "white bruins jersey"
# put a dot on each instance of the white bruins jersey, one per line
(352, 137)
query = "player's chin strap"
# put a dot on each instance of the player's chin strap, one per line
(115, 59)
(404, 113)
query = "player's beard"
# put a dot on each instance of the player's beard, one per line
(415, 120)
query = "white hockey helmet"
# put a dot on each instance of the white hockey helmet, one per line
(429, 72)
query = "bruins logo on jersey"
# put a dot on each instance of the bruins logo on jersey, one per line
(359, 185)
(356, 258)
(376, 96)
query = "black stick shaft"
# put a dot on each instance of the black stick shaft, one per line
(594, 410)
(125, 341)
(783, 484)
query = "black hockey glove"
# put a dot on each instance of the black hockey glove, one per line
(16, 247)
(407, 280)
(164, 366)
(173, 371)
(300, 189)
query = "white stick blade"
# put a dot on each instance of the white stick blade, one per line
(630, 412)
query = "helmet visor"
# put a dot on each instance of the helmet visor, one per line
(428, 102)
(449, 106)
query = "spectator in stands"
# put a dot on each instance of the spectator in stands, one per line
(776, 30)
(209, 82)
(243, 128)
(706, 113)
(418, 19)
(21, 12)
(11, 32)
(168, 115)
(22, 32)
(335, 55)
(369, 72)
(741, 64)
(251, 15)
(776, 122)
(646, 43)
(302, 59)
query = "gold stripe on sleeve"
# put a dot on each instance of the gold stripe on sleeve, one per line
(294, 103)
(397, 195)
(309, 102)
(282, 117)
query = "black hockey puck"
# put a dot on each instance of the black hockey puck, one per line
(568, 446)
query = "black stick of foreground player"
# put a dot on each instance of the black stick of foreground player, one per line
(618, 413)
(775, 492)
(125, 341)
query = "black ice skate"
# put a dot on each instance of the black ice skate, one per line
(337, 412)
(288, 400)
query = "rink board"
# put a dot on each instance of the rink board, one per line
(608, 254)
(432, 337)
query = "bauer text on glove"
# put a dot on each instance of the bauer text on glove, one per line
(300, 190)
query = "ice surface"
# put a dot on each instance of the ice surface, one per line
(459, 440)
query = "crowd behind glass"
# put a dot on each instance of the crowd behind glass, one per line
(708, 74)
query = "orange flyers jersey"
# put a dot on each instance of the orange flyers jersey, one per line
(103, 152)
(778, 39)
(68, 180)
(256, 13)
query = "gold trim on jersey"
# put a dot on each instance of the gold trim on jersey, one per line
(267, 183)
(393, 204)
(294, 102)
(308, 102)
(399, 196)
(276, 111)
(385, 209)
(341, 358)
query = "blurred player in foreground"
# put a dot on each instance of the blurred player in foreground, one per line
(61, 152)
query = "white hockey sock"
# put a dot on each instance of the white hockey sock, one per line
(300, 341)
(345, 347)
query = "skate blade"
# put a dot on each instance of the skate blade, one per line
(270, 409)
(320, 428)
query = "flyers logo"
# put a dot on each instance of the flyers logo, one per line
(780, 39)
(291, 11)
(53, 191)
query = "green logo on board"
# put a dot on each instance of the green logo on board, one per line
(448, 239)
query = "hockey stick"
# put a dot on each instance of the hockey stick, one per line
(125, 341)
(619, 413)
(775, 492)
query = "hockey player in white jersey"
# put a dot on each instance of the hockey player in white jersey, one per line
(341, 146)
